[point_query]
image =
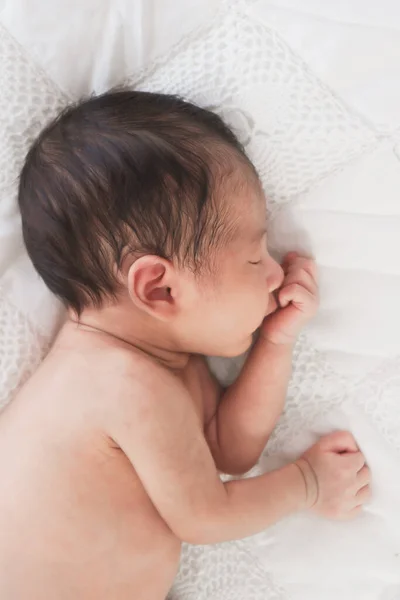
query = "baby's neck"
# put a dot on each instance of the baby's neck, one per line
(125, 330)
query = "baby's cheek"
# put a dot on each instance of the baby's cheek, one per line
(262, 289)
(257, 305)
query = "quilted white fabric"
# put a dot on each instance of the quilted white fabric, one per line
(28, 314)
(313, 90)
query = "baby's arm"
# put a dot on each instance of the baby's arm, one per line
(249, 409)
(162, 436)
(163, 439)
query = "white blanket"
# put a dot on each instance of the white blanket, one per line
(314, 91)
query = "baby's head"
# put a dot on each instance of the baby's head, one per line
(149, 202)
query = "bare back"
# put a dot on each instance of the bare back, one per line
(75, 519)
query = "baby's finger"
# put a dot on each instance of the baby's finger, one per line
(288, 259)
(308, 264)
(355, 460)
(363, 477)
(363, 495)
(302, 277)
(355, 512)
(299, 296)
(342, 442)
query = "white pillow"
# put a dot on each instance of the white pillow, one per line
(28, 313)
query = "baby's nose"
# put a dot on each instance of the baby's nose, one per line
(275, 276)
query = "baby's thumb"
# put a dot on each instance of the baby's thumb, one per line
(284, 298)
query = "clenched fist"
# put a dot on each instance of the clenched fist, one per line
(297, 298)
(337, 478)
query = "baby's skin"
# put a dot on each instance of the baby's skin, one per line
(144, 215)
(110, 455)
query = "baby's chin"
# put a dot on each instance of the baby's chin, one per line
(238, 349)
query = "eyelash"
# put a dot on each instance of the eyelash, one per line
(255, 263)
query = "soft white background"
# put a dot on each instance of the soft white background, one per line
(314, 89)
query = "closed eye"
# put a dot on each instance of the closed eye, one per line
(258, 262)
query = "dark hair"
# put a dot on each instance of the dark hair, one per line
(122, 172)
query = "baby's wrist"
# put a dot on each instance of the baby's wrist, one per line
(276, 337)
(286, 344)
(310, 481)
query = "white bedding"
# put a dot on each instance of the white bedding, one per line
(314, 90)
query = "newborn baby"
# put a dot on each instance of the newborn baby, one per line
(144, 215)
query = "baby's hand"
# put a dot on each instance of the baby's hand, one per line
(298, 300)
(337, 478)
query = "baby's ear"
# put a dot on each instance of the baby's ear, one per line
(152, 286)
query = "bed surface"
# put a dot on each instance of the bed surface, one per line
(314, 91)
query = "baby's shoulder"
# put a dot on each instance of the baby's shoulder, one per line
(143, 396)
(140, 370)
(134, 384)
